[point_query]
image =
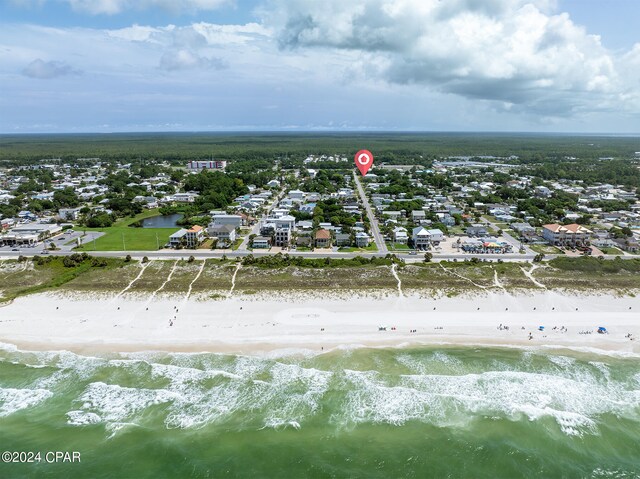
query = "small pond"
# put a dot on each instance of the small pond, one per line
(168, 221)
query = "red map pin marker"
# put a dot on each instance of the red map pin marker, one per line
(364, 161)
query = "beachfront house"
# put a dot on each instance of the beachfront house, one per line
(400, 235)
(424, 238)
(282, 236)
(323, 238)
(343, 239)
(566, 235)
(187, 238)
(224, 233)
(421, 238)
(261, 242)
(362, 239)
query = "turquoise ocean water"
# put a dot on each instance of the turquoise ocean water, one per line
(423, 412)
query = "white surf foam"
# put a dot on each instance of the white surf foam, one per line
(439, 399)
(13, 400)
(115, 403)
(82, 418)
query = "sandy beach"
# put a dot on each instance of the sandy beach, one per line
(261, 325)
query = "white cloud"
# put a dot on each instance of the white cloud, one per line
(47, 70)
(517, 52)
(391, 64)
(135, 33)
(186, 59)
(112, 7)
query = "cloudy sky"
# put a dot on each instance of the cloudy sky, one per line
(297, 65)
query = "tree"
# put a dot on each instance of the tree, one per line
(101, 220)
(66, 198)
(428, 257)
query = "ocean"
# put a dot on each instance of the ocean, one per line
(467, 412)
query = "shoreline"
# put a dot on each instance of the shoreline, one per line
(261, 326)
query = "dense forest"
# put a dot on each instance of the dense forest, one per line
(387, 147)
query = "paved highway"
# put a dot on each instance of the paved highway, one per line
(202, 254)
(375, 229)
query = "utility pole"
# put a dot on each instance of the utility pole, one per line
(124, 248)
(157, 241)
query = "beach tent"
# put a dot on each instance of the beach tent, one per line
(602, 330)
(540, 328)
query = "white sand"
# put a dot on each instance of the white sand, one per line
(250, 325)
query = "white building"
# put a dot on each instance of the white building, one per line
(362, 240)
(233, 220)
(185, 197)
(400, 235)
(223, 232)
(70, 214)
(30, 234)
(189, 238)
(196, 165)
(296, 194)
(424, 238)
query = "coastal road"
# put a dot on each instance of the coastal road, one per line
(203, 254)
(375, 229)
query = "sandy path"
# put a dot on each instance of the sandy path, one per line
(169, 276)
(496, 281)
(395, 275)
(233, 280)
(460, 276)
(128, 287)
(194, 280)
(529, 274)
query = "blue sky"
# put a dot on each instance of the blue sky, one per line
(298, 65)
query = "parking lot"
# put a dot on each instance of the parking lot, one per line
(65, 241)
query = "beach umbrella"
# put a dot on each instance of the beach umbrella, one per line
(540, 328)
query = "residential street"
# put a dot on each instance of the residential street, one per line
(375, 229)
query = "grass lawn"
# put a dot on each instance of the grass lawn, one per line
(129, 239)
(353, 249)
(546, 249)
(611, 250)
(122, 237)
(206, 244)
(397, 246)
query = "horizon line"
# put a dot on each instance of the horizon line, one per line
(326, 132)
